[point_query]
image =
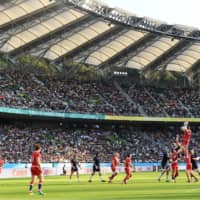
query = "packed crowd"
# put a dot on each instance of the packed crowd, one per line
(58, 145)
(22, 90)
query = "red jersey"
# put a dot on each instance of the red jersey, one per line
(188, 162)
(35, 156)
(174, 158)
(115, 161)
(128, 162)
(188, 159)
(186, 137)
(1, 163)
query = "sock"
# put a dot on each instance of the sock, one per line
(167, 175)
(125, 180)
(111, 177)
(90, 178)
(30, 188)
(40, 187)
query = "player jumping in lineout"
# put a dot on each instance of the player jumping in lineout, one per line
(187, 134)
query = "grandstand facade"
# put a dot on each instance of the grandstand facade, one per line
(63, 32)
(59, 30)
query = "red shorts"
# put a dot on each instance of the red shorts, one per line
(189, 167)
(128, 171)
(174, 167)
(114, 169)
(36, 171)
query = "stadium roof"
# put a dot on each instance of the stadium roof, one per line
(90, 32)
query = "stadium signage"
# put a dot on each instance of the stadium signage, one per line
(37, 113)
(150, 119)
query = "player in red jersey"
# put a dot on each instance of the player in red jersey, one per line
(127, 168)
(174, 165)
(189, 171)
(1, 164)
(36, 170)
(187, 134)
(114, 166)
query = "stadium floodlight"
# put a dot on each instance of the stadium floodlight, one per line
(141, 24)
(120, 73)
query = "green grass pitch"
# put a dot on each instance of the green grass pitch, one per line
(141, 186)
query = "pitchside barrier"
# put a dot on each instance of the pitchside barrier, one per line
(22, 170)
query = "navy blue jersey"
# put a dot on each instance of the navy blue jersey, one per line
(194, 162)
(74, 163)
(96, 161)
(165, 159)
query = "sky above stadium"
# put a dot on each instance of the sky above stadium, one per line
(185, 12)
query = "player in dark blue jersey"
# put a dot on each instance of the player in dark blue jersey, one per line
(165, 166)
(96, 168)
(75, 165)
(64, 170)
(194, 160)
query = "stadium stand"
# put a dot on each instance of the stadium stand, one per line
(49, 36)
(59, 144)
(24, 90)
